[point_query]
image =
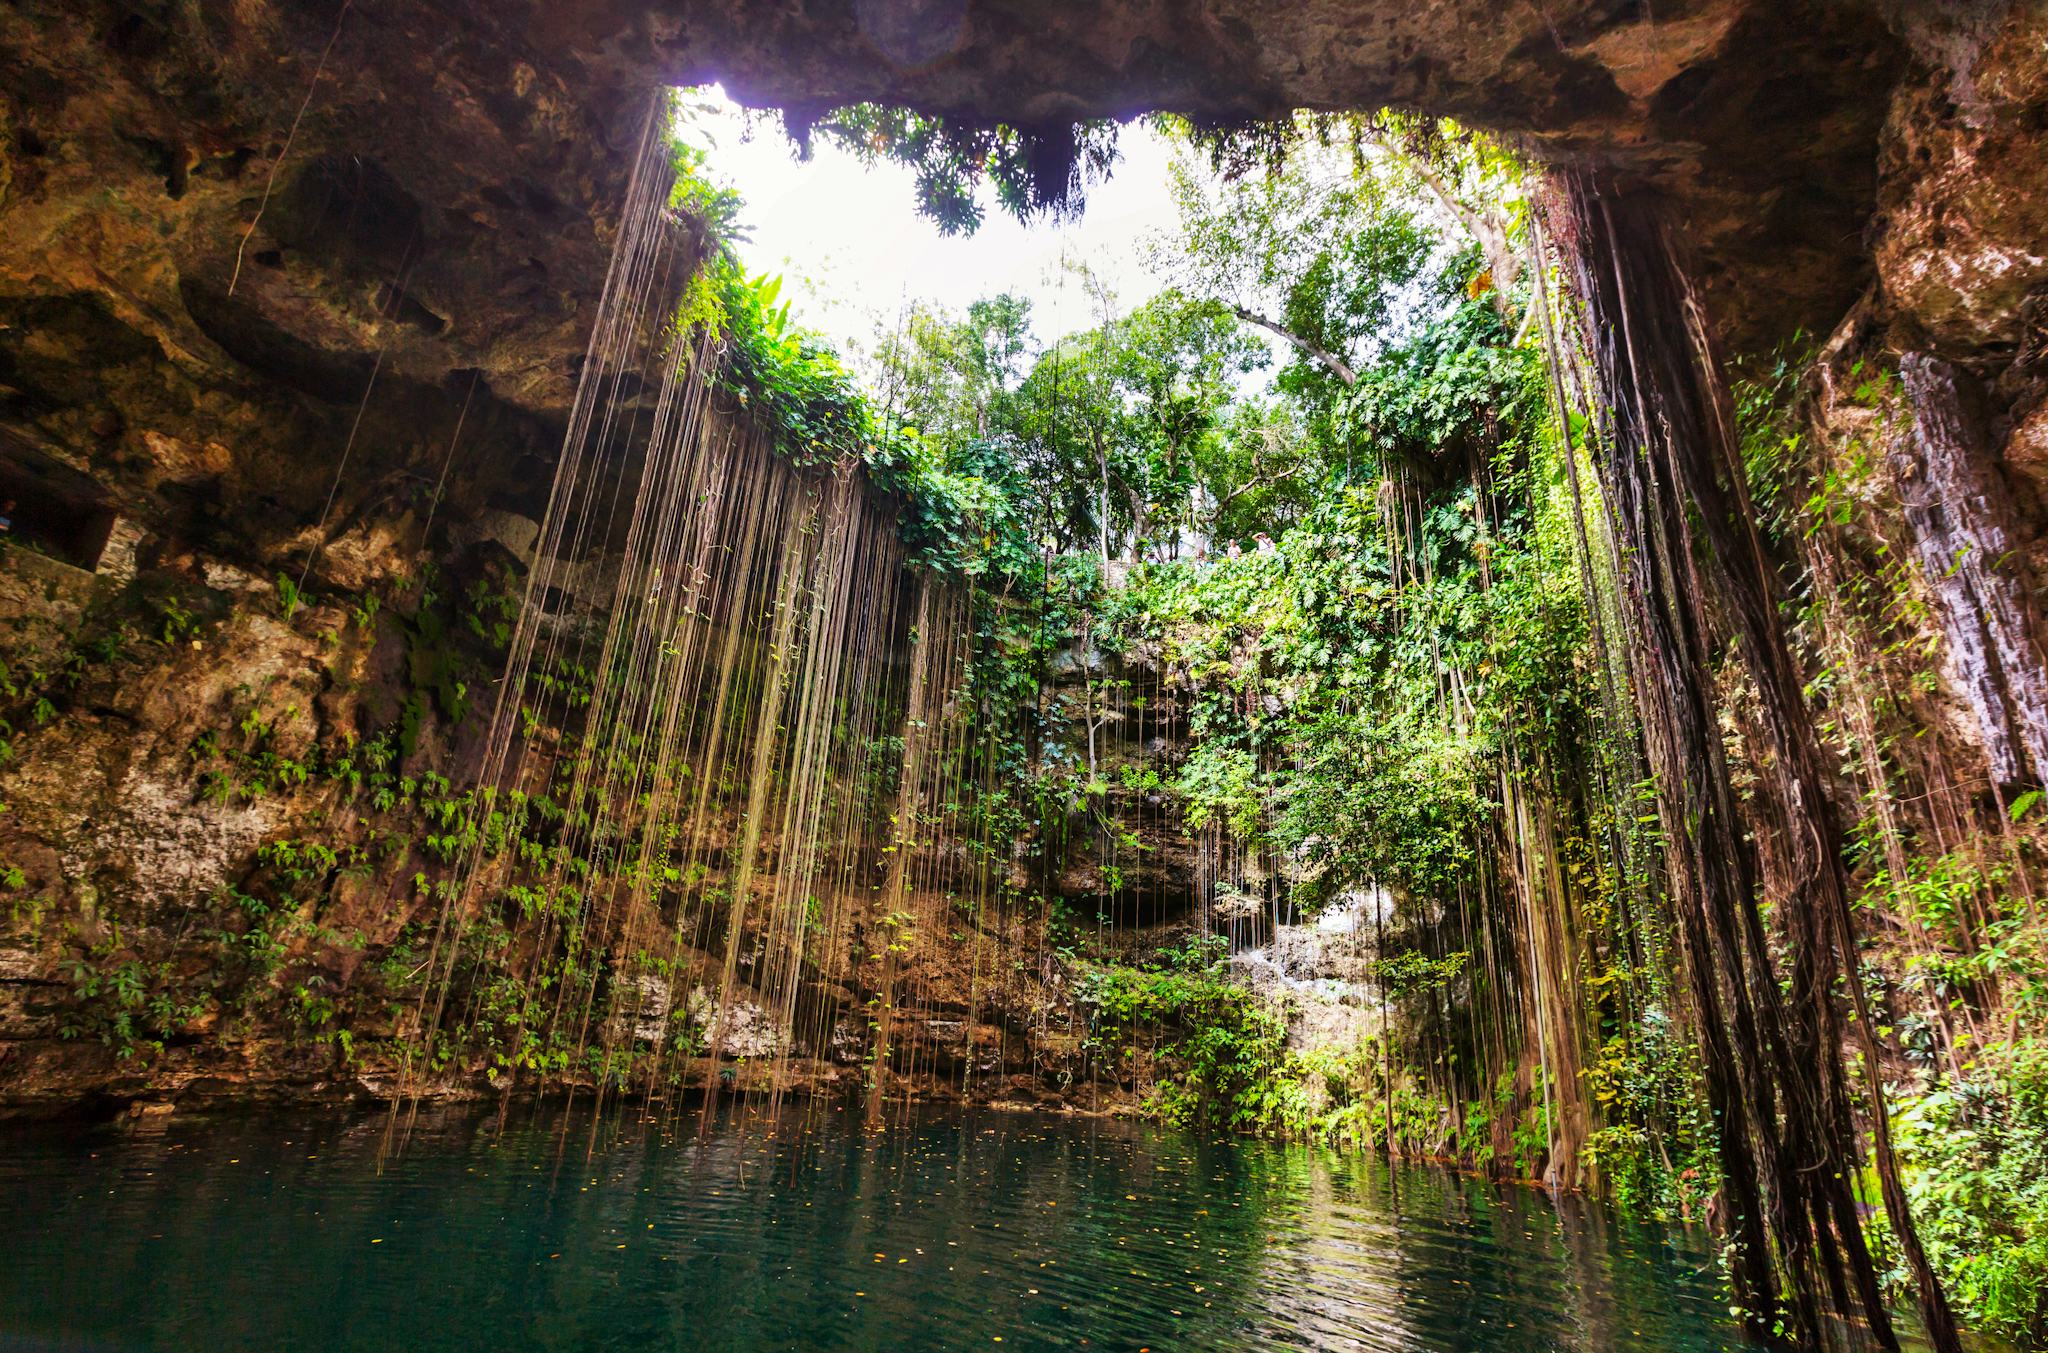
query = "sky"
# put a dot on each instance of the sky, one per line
(854, 252)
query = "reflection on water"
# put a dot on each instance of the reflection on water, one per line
(953, 1230)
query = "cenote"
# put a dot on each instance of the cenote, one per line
(945, 1230)
(1230, 674)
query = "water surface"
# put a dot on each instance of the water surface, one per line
(951, 1230)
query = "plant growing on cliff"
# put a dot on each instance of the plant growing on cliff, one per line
(131, 1006)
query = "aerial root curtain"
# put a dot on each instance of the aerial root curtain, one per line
(684, 854)
(1772, 1054)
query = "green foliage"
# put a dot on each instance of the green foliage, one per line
(1317, 249)
(1774, 448)
(1216, 1056)
(1387, 803)
(176, 624)
(793, 385)
(1226, 1045)
(1409, 972)
(1940, 896)
(1657, 1149)
(130, 1006)
(1356, 583)
(1976, 1157)
(785, 377)
(1221, 783)
(1364, 589)
(953, 378)
(1112, 430)
(1443, 395)
(1035, 170)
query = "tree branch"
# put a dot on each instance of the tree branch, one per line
(1264, 481)
(1487, 228)
(1330, 361)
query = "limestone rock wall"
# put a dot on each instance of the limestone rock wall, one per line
(1929, 398)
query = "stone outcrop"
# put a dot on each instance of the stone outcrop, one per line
(1958, 257)
(1959, 512)
(279, 199)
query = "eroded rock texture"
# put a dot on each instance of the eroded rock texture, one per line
(240, 212)
(431, 181)
(1959, 257)
(1959, 512)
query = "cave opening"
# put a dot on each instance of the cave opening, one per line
(1499, 631)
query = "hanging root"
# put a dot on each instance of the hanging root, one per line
(1773, 1058)
(270, 180)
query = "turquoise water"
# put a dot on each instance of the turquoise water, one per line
(949, 1230)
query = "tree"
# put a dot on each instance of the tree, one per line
(1114, 424)
(1471, 178)
(1070, 429)
(1259, 472)
(1179, 361)
(1313, 253)
(947, 376)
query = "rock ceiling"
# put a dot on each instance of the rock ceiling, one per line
(443, 196)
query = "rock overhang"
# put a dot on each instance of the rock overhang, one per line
(435, 180)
